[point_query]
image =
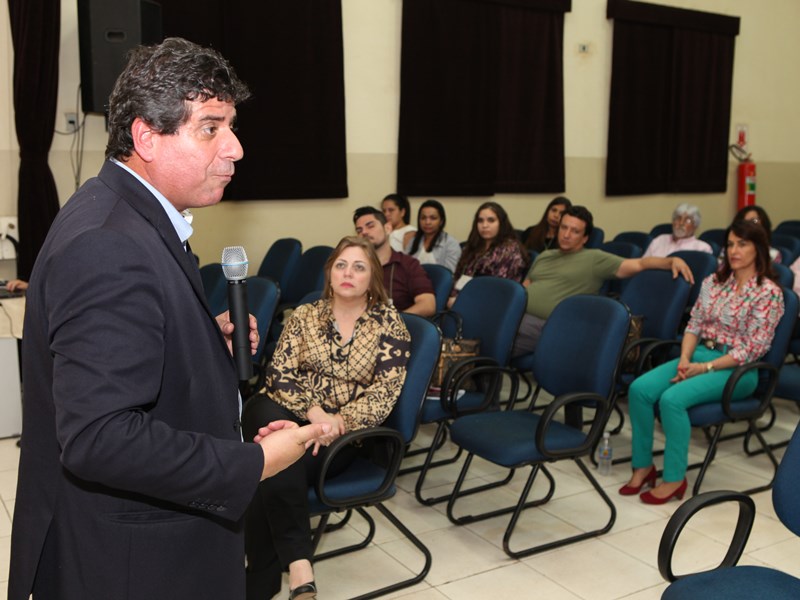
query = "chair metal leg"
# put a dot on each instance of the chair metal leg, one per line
(710, 454)
(406, 533)
(754, 430)
(458, 493)
(321, 528)
(562, 542)
(429, 464)
(439, 438)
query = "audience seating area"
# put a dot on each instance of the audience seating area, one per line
(463, 547)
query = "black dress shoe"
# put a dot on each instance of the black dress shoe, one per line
(307, 591)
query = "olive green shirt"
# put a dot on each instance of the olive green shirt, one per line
(556, 275)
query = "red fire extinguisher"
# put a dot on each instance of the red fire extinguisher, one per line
(746, 189)
(746, 192)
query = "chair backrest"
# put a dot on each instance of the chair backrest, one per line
(660, 228)
(595, 238)
(660, 299)
(581, 344)
(308, 275)
(714, 236)
(783, 331)
(442, 279)
(787, 485)
(702, 265)
(280, 261)
(623, 249)
(311, 297)
(491, 309)
(787, 242)
(785, 275)
(262, 300)
(640, 238)
(215, 287)
(426, 342)
(788, 228)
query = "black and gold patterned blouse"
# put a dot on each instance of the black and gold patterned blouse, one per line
(361, 378)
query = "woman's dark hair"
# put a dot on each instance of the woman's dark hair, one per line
(402, 203)
(375, 291)
(418, 236)
(753, 232)
(538, 233)
(475, 243)
(157, 85)
(763, 219)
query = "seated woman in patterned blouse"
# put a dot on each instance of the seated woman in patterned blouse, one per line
(340, 360)
(493, 248)
(732, 323)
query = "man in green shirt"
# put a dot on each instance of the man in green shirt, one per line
(573, 269)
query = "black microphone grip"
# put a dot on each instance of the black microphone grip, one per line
(240, 317)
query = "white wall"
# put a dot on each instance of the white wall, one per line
(766, 92)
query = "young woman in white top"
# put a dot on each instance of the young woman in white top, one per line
(431, 243)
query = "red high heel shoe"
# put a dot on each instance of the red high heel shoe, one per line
(649, 480)
(649, 498)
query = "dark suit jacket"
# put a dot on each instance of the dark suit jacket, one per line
(133, 478)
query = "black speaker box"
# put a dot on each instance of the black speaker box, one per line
(107, 30)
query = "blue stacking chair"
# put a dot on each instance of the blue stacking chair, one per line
(366, 483)
(613, 287)
(659, 229)
(788, 228)
(307, 276)
(577, 360)
(788, 246)
(639, 238)
(785, 275)
(281, 260)
(729, 581)
(442, 279)
(714, 238)
(595, 238)
(702, 265)
(215, 287)
(491, 309)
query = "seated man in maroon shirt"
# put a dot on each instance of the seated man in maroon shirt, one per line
(406, 282)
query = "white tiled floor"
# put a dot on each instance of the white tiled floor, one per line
(469, 562)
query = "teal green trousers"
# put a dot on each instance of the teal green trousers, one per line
(674, 400)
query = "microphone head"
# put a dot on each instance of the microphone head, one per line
(234, 263)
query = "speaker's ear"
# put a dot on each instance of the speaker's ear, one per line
(106, 32)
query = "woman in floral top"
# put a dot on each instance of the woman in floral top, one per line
(732, 323)
(342, 361)
(493, 248)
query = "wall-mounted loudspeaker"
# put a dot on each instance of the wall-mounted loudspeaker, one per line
(106, 32)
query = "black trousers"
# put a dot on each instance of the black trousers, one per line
(277, 522)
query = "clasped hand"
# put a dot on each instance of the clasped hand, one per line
(284, 442)
(688, 369)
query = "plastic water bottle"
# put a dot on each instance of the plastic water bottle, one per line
(604, 455)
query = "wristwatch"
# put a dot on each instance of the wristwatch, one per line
(709, 367)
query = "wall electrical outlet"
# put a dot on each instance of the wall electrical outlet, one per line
(71, 121)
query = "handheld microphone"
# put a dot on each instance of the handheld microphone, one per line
(234, 267)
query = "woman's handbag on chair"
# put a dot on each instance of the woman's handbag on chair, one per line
(454, 348)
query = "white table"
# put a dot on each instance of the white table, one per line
(12, 311)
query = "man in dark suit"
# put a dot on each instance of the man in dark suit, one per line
(133, 476)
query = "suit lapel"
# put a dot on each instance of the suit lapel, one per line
(143, 202)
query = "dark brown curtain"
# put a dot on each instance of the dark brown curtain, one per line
(671, 82)
(290, 54)
(35, 32)
(481, 101)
